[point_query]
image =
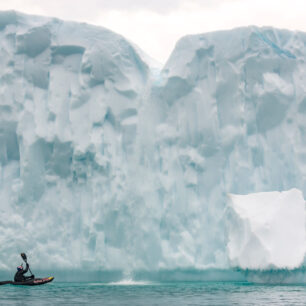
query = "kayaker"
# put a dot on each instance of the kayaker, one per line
(19, 276)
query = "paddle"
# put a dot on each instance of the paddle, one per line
(24, 257)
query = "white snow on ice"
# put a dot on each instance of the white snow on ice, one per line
(267, 230)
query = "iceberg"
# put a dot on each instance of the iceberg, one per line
(108, 162)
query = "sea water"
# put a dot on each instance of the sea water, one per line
(150, 293)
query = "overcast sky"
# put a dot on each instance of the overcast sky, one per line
(156, 25)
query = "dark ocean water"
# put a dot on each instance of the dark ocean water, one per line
(151, 293)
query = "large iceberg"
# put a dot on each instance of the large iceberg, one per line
(108, 163)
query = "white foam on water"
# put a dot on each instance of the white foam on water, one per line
(130, 282)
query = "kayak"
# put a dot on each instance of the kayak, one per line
(32, 282)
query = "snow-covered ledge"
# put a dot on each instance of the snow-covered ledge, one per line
(267, 230)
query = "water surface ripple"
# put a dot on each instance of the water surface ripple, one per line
(146, 293)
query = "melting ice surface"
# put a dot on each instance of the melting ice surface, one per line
(107, 163)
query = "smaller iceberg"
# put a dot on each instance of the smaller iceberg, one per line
(267, 230)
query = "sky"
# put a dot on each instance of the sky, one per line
(156, 25)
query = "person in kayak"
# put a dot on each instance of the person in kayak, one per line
(19, 276)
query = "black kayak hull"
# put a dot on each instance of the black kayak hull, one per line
(34, 282)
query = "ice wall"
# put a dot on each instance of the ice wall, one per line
(70, 96)
(229, 117)
(106, 164)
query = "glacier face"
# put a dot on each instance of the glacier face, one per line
(106, 164)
